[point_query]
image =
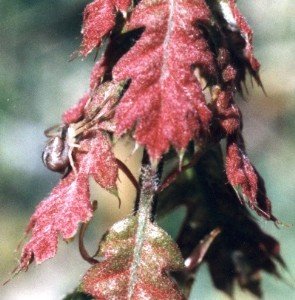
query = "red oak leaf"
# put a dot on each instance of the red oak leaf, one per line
(210, 202)
(122, 5)
(247, 34)
(245, 179)
(68, 204)
(241, 173)
(59, 214)
(97, 73)
(98, 21)
(75, 113)
(165, 101)
(114, 277)
(99, 161)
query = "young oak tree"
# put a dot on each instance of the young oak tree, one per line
(166, 76)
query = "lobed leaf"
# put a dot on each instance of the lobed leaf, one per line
(69, 204)
(112, 279)
(98, 21)
(165, 50)
(247, 33)
(164, 101)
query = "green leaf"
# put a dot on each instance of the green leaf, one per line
(127, 271)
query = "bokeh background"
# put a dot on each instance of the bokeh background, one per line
(37, 83)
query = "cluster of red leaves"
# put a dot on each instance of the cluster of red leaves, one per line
(164, 51)
(164, 105)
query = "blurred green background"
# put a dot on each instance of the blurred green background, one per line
(37, 83)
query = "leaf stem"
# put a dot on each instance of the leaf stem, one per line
(158, 173)
(144, 161)
(82, 248)
(149, 184)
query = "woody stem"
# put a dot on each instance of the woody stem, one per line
(145, 163)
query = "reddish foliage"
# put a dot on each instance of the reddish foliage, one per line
(242, 250)
(247, 34)
(240, 172)
(74, 113)
(59, 214)
(98, 21)
(68, 204)
(165, 101)
(242, 175)
(150, 81)
(226, 112)
(97, 73)
(159, 255)
(99, 160)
